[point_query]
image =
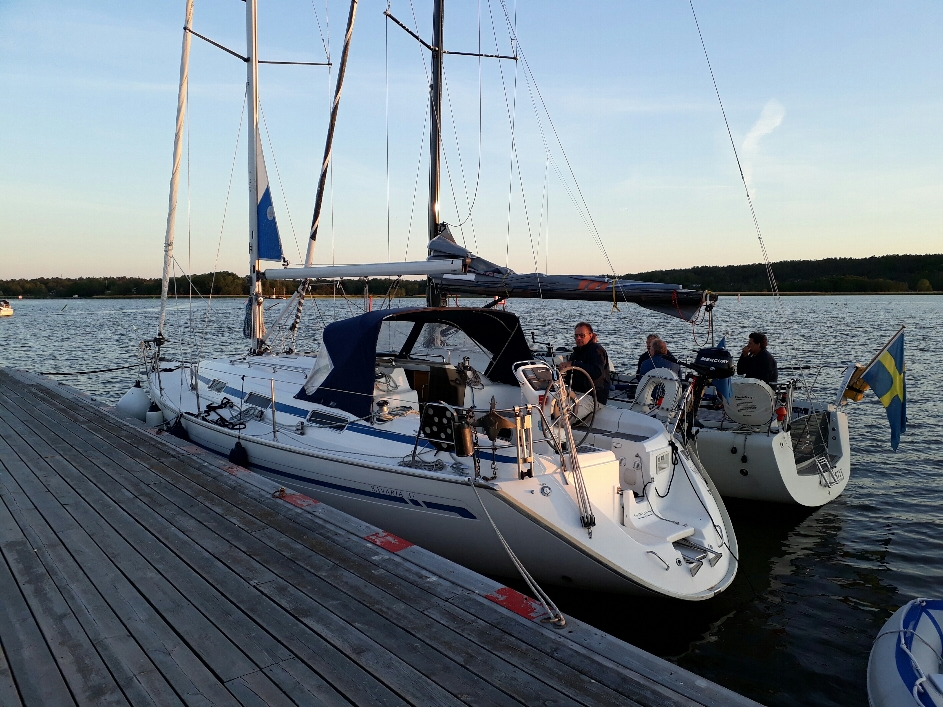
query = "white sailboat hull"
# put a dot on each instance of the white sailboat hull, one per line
(770, 472)
(357, 472)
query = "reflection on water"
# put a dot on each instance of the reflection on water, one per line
(814, 587)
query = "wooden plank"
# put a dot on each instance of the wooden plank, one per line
(396, 597)
(384, 664)
(516, 680)
(422, 657)
(134, 672)
(32, 664)
(373, 694)
(198, 611)
(519, 683)
(192, 679)
(8, 692)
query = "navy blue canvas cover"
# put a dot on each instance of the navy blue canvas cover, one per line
(352, 343)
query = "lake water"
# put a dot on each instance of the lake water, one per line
(814, 587)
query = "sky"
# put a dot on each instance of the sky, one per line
(834, 108)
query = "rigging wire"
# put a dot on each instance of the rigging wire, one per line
(222, 227)
(189, 226)
(281, 186)
(756, 223)
(412, 208)
(511, 108)
(325, 44)
(582, 205)
(461, 164)
(474, 199)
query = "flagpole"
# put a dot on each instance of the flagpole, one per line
(883, 349)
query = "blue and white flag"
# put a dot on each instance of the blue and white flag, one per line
(886, 378)
(722, 385)
(270, 243)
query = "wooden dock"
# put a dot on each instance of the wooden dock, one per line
(137, 569)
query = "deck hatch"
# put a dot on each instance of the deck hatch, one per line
(323, 419)
(259, 401)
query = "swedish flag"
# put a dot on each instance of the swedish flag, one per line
(885, 375)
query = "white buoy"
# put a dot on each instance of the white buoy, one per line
(153, 416)
(135, 402)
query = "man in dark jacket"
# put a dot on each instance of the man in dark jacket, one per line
(756, 362)
(592, 358)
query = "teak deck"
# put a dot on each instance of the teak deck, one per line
(138, 569)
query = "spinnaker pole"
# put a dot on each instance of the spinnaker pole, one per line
(175, 174)
(255, 293)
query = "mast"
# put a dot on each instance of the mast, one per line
(433, 298)
(255, 293)
(175, 174)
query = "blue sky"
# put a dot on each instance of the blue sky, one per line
(835, 108)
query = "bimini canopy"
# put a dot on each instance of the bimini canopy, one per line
(351, 345)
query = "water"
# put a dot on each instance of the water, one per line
(814, 587)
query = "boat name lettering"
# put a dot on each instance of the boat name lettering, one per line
(388, 491)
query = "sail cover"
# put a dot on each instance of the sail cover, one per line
(485, 279)
(270, 243)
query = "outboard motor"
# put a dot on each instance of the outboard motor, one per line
(711, 363)
(714, 363)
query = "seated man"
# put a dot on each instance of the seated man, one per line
(592, 358)
(660, 358)
(756, 362)
(648, 352)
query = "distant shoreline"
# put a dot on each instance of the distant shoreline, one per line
(381, 297)
(828, 294)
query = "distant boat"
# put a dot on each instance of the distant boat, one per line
(5, 309)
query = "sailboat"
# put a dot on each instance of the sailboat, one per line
(438, 424)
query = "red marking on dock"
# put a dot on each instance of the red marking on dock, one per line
(235, 469)
(192, 449)
(388, 541)
(299, 499)
(520, 604)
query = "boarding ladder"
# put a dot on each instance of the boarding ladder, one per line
(828, 475)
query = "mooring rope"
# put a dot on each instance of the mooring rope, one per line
(85, 373)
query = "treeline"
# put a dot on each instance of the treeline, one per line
(885, 273)
(222, 283)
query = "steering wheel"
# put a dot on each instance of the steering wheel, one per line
(580, 407)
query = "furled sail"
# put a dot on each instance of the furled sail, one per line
(270, 243)
(486, 279)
